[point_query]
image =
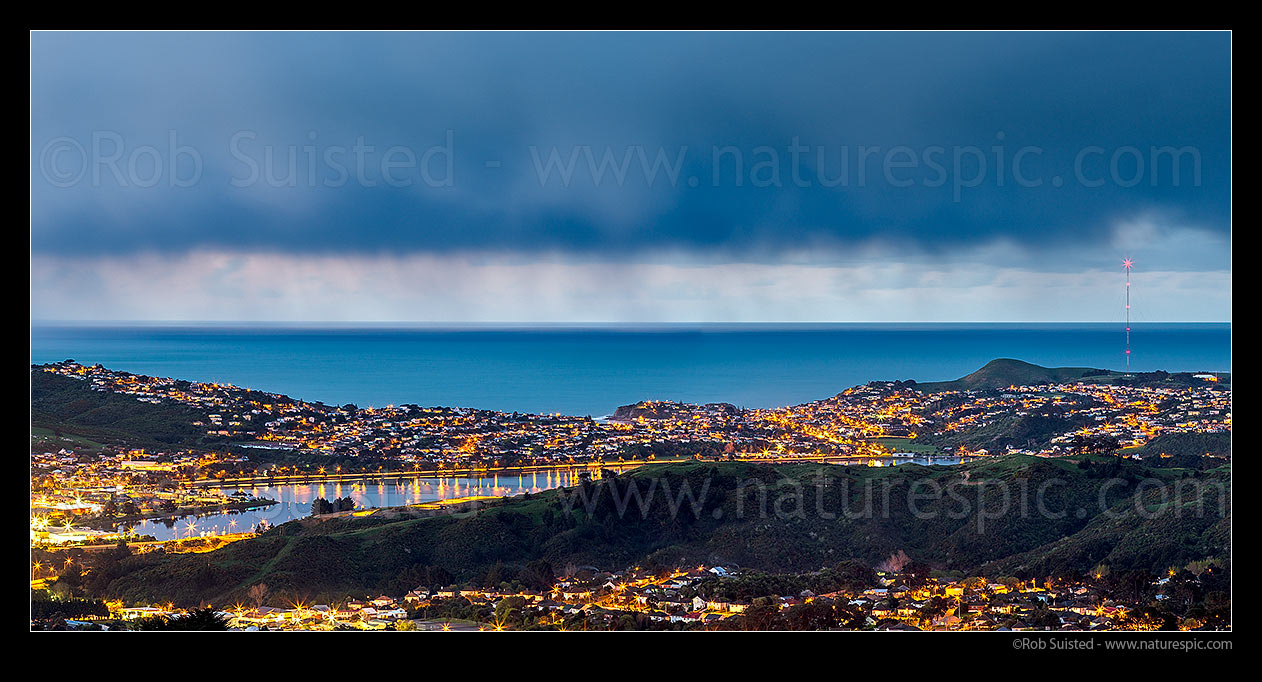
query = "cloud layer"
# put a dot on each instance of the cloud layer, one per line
(460, 288)
(795, 158)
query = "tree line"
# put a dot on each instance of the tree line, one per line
(322, 506)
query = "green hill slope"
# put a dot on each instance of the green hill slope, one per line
(64, 408)
(1016, 513)
(1159, 528)
(1005, 372)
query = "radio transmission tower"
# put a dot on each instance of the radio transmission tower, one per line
(1126, 265)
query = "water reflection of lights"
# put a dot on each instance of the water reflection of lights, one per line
(294, 499)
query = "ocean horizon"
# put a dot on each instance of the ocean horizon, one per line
(591, 369)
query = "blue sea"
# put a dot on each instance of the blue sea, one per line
(591, 371)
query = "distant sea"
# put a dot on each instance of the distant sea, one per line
(591, 371)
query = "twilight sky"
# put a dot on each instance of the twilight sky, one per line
(629, 177)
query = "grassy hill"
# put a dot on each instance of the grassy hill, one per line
(67, 413)
(1009, 430)
(1004, 372)
(985, 517)
(1160, 527)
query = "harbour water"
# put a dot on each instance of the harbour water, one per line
(591, 371)
(293, 501)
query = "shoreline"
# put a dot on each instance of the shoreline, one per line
(313, 479)
(114, 522)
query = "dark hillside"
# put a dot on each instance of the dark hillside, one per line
(1015, 515)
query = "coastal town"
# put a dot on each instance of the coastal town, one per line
(85, 499)
(726, 598)
(861, 422)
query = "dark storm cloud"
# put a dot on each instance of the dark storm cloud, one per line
(478, 113)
